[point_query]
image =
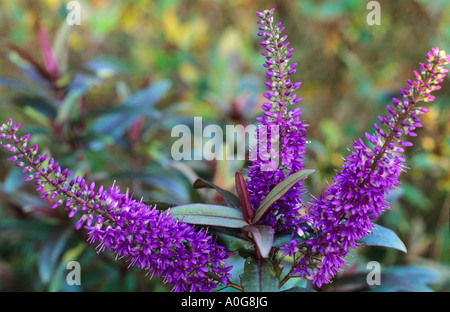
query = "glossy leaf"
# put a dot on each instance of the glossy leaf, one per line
(381, 236)
(233, 240)
(279, 190)
(263, 237)
(215, 215)
(231, 199)
(258, 276)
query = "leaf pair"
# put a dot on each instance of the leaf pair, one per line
(279, 190)
(214, 215)
(240, 215)
(276, 193)
(239, 211)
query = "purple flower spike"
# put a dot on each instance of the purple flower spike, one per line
(343, 214)
(263, 176)
(150, 239)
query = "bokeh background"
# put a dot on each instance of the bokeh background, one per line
(103, 96)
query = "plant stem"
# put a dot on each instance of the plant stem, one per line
(398, 123)
(58, 186)
(217, 278)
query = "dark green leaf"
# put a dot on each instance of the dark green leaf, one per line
(116, 124)
(231, 199)
(263, 237)
(66, 108)
(381, 236)
(233, 239)
(50, 255)
(43, 105)
(159, 204)
(258, 276)
(279, 190)
(214, 215)
(285, 238)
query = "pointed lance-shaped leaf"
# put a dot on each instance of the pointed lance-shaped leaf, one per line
(231, 199)
(381, 236)
(259, 276)
(263, 237)
(214, 215)
(279, 190)
(244, 198)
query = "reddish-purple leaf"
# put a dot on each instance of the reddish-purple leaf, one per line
(244, 198)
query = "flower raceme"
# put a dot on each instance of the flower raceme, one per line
(343, 214)
(290, 131)
(148, 238)
(327, 226)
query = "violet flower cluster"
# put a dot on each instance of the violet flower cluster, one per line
(327, 227)
(279, 126)
(150, 239)
(343, 214)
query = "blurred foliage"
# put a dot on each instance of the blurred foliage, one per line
(103, 96)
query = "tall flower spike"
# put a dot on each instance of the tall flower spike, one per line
(188, 259)
(343, 214)
(281, 134)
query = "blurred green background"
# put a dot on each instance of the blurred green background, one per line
(103, 96)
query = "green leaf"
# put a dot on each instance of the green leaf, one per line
(213, 215)
(14, 180)
(116, 124)
(43, 105)
(263, 237)
(279, 190)
(411, 278)
(233, 240)
(231, 199)
(123, 110)
(381, 236)
(67, 106)
(258, 276)
(31, 229)
(159, 204)
(60, 47)
(50, 255)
